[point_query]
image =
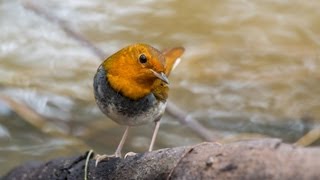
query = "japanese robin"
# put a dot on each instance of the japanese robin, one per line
(131, 87)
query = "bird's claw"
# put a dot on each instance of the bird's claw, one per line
(99, 158)
(129, 154)
(217, 143)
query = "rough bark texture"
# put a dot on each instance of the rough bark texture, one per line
(259, 159)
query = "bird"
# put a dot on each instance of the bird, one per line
(131, 87)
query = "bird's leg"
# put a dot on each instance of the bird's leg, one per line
(123, 139)
(155, 132)
(118, 151)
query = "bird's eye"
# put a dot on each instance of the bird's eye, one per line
(143, 58)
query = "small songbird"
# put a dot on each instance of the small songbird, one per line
(131, 87)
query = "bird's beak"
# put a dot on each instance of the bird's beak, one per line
(161, 76)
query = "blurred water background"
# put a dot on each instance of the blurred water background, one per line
(251, 68)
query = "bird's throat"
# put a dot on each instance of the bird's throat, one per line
(128, 87)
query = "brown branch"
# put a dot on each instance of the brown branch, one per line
(189, 121)
(36, 120)
(312, 136)
(36, 8)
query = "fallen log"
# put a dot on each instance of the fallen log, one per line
(255, 159)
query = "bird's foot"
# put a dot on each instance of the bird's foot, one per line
(217, 143)
(129, 154)
(99, 157)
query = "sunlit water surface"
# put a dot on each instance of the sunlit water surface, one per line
(249, 67)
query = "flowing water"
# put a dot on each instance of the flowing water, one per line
(250, 67)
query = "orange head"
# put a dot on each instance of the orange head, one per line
(134, 69)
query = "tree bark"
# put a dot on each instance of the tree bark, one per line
(257, 159)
